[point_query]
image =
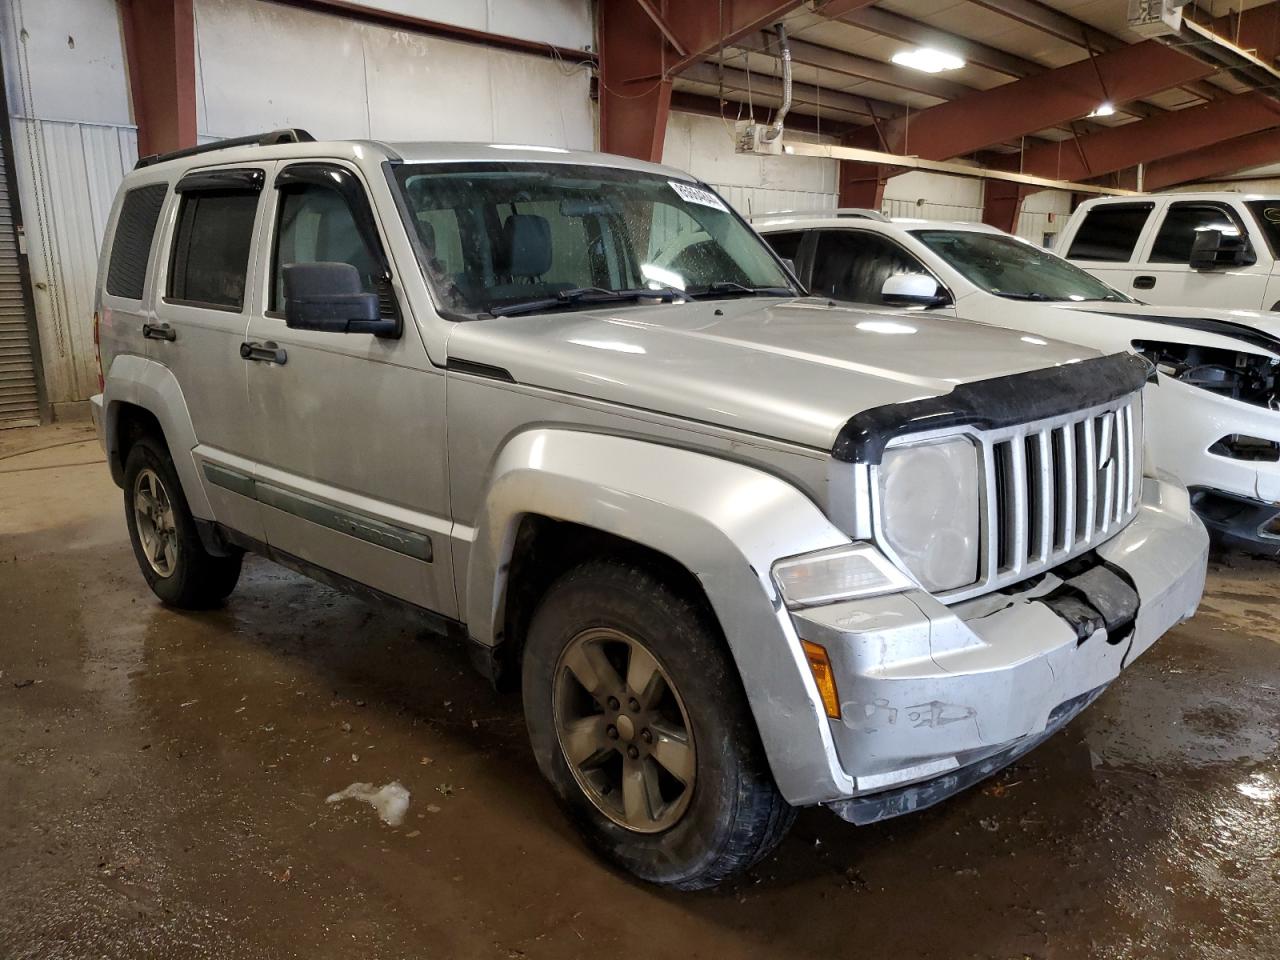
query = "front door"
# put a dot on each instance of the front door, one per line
(1167, 277)
(349, 427)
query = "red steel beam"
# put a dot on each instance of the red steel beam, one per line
(1227, 157)
(1056, 96)
(1165, 135)
(862, 184)
(1256, 29)
(635, 90)
(705, 27)
(682, 101)
(160, 48)
(1002, 203)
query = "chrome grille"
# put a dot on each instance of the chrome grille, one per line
(1055, 488)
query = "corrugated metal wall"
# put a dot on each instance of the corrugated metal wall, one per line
(19, 402)
(71, 171)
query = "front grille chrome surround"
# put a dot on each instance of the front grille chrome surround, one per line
(1050, 490)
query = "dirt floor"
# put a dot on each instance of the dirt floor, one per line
(163, 779)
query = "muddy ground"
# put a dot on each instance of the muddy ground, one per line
(163, 778)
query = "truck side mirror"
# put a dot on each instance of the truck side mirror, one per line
(329, 297)
(912, 289)
(1212, 249)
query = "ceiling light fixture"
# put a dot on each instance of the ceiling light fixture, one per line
(1103, 110)
(928, 60)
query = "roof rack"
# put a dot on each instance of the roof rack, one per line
(857, 213)
(286, 135)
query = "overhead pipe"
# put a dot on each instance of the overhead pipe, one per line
(775, 130)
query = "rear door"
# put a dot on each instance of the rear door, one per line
(1107, 242)
(349, 443)
(1165, 275)
(200, 321)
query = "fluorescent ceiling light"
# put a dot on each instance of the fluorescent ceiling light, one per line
(927, 60)
(1103, 110)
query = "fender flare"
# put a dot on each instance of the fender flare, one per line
(724, 522)
(152, 386)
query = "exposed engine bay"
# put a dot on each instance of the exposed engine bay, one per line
(1248, 377)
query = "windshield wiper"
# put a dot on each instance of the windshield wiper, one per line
(729, 288)
(579, 295)
(1037, 297)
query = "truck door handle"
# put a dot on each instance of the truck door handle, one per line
(269, 352)
(159, 331)
(1144, 282)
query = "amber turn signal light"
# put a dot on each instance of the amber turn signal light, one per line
(820, 667)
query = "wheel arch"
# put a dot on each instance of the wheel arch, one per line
(139, 396)
(717, 523)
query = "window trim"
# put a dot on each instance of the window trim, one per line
(1232, 214)
(1138, 246)
(812, 256)
(221, 180)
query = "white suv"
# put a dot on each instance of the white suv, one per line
(1214, 422)
(1182, 249)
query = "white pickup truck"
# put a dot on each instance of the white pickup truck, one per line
(1182, 249)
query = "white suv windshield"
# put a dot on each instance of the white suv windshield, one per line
(507, 238)
(1014, 268)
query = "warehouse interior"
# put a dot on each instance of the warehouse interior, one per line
(167, 771)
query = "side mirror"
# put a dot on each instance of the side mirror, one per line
(329, 297)
(1212, 249)
(912, 289)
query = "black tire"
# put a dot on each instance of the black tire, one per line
(196, 579)
(735, 815)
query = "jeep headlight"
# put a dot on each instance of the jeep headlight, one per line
(929, 510)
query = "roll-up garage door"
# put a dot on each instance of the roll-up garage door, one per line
(19, 401)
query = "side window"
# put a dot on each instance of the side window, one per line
(1182, 223)
(211, 247)
(854, 264)
(315, 224)
(1110, 232)
(131, 245)
(786, 244)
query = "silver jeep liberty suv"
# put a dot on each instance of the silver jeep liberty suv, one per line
(743, 549)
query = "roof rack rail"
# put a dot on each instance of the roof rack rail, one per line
(857, 213)
(286, 135)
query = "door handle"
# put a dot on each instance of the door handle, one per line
(1144, 282)
(159, 331)
(269, 352)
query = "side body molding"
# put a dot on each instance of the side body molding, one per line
(724, 522)
(152, 386)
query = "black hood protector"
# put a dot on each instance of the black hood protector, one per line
(995, 403)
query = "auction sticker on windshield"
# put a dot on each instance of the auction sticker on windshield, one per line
(691, 194)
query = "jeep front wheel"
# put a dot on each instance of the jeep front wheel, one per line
(639, 722)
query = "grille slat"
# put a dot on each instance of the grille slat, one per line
(1055, 488)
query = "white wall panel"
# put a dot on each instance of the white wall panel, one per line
(73, 140)
(69, 174)
(933, 196)
(565, 23)
(704, 146)
(1044, 214)
(263, 66)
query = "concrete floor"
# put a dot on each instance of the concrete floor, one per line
(163, 778)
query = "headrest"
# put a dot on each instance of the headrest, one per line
(528, 242)
(427, 234)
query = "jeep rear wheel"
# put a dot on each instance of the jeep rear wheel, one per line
(166, 543)
(639, 723)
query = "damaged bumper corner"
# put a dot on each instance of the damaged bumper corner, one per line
(935, 698)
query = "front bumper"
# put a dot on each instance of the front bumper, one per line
(1236, 498)
(928, 692)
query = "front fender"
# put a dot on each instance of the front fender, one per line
(724, 522)
(152, 386)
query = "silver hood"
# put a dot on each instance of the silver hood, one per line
(793, 370)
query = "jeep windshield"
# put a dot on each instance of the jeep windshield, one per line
(499, 239)
(1014, 269)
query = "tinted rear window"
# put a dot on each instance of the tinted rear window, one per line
(211, 247)
(131, 246)
(1110, 232)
